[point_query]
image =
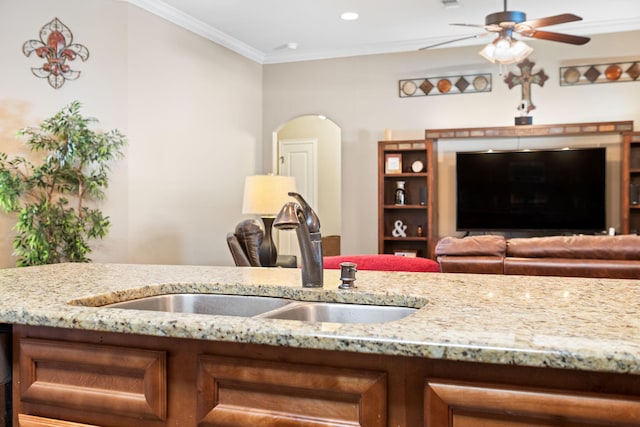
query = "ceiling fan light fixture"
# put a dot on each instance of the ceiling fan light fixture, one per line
(506, 50)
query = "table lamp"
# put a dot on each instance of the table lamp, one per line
(264, 195)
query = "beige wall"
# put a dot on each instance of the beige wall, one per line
(191, 110)
(361, 95)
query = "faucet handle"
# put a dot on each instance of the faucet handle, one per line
(348, 275)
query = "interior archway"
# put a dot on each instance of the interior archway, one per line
(326, 134)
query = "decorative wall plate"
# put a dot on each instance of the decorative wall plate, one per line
(480, 83)
(571, 75)
(600, 73)
(613, 72)
(445, 85)
(409, 88)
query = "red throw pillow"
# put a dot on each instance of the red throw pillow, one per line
(383, 263)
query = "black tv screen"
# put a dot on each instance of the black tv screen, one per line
(547, 190)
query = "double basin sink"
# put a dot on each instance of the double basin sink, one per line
(266, 308)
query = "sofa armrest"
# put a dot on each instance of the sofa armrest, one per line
(488, 245)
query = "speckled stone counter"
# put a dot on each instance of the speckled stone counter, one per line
(585, 324)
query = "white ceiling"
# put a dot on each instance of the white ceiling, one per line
(261, 29)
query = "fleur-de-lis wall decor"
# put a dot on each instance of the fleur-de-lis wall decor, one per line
(56, 47)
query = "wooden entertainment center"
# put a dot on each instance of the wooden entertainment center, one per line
(422, 211)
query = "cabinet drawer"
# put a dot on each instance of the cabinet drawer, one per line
(244, 392)
(95, 378)
(31, 421)
(462, 404)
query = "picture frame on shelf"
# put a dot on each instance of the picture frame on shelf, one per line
(393, 163)
(411, 253)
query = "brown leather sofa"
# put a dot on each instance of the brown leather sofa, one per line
(574, 256)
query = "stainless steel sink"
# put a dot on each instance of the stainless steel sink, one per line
(266, 307)
(218, 304)
(339, 313)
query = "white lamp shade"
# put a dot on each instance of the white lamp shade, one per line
(264, 195)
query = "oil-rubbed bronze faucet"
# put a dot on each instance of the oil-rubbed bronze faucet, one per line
(301, 217)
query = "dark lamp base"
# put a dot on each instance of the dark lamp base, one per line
(267, 251)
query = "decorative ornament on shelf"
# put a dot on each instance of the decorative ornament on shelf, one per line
(525, 79)
(57, 47)
(399, 229)
(400, 194)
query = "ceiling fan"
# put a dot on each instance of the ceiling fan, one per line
(504, 48)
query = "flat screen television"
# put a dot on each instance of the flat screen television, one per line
(559, 191)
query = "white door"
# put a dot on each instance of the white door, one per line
(298, 157)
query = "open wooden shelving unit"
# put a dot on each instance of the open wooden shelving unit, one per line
(413, 214)
(630, 192)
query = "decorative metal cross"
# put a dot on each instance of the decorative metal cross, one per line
(526, 79)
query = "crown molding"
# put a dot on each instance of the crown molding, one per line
(198, 27)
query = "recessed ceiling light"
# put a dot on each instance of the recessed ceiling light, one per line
(292, 45)
(349, 16)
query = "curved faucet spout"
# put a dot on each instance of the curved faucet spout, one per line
(304, 220)
(313, 222)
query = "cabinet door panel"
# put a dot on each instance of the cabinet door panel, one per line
(90, 377)
(244, 392)
(458, 404)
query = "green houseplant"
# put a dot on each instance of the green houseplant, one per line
(50, 199)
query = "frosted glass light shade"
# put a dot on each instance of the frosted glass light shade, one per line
(506, 50)
(264, 195)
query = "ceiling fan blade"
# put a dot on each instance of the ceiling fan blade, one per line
(557, 37)
(550, 20)
(468, 25)
(493, 28)
(454, 40)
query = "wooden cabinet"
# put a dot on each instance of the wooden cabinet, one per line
(413, 165)
(75, 378)
(238, 392)
(630, 192)
(459, 404)
(95, 382)
(31, 421)
(71, 378)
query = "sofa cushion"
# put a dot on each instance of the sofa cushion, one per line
(489, 245)
(383, 262)
(598, 268)
(624, 247)
(472, 264)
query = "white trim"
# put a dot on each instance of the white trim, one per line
(198, 27)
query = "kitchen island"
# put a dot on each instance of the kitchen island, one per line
(498, 350)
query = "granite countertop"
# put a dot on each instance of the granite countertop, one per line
(585, 324)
